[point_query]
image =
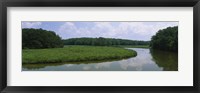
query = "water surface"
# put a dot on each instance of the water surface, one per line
(146, 60)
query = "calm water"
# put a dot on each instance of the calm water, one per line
(146, 60)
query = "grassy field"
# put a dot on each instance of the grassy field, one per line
(134, 46)
(75, 54)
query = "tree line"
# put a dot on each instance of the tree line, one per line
(101, 41)
(166, 39)
(39, 38)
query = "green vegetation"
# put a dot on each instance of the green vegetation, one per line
(39, 38)
(75, 54)
(101, 41)
(42, 46)
(166, 39)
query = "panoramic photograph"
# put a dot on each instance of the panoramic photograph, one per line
(99, 45)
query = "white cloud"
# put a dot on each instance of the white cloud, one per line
(31, 24)
(70, 30)
(125, 30)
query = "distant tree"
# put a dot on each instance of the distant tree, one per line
(39, 38)
(101, 41)
(165, 39)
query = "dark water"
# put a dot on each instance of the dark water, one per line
(146, 60)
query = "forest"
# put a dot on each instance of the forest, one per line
(101, 41)
(39, 38)
(165, 39)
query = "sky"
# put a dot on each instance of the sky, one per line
(124, 30)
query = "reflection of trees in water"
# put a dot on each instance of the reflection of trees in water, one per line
(167, 60)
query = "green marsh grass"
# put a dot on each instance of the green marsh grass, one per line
(75, 54)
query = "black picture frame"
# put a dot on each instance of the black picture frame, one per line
(98, 3)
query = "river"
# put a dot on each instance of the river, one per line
(146, 60)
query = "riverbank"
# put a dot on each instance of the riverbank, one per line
(134, 46)
(75, 54)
